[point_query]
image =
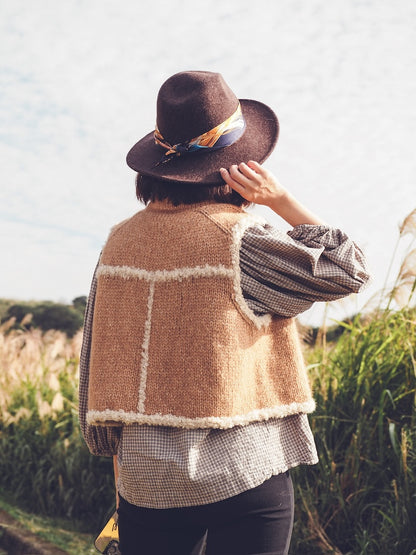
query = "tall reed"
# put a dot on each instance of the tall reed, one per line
(45, 465)
(360, 498)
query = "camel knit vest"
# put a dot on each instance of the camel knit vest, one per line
(174, 342)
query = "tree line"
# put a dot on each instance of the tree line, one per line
(45, 315)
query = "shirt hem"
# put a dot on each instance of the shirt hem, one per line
(200, 500)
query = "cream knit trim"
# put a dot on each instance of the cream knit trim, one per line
(97, 418)
(129, 272)
(237, 234)
(145, 349)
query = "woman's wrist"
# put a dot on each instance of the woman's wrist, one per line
(285, 205)
(280, 201)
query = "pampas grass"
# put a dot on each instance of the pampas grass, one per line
(45, 465)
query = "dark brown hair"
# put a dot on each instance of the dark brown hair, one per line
(150, 188)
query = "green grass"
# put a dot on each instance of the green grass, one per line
(56, 531)
(361, 497)
(45, 463)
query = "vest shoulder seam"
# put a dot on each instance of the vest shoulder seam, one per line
(212, 218)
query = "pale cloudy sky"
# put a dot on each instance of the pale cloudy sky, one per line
(79, 79)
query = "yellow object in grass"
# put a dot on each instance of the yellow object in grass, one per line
(107, 541)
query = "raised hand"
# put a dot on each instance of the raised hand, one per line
(260, 186)
(254, 183)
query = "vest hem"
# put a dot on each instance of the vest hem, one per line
(110, 417)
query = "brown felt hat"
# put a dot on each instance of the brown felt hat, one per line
(189, 104)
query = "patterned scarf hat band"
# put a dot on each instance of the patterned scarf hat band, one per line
(224, 134)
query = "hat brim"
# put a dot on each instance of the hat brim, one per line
(256, 143)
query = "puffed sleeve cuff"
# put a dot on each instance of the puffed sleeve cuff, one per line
(102, 441)
(344, 253)
(285, 273)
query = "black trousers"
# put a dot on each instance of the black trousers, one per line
(256, 522)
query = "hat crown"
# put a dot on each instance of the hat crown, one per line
(191, 103)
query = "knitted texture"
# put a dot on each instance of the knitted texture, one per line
(174, 342)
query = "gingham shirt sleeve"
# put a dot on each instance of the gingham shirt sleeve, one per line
(285, 273)
(101, 440)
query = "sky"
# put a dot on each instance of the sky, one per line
(79, 81)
